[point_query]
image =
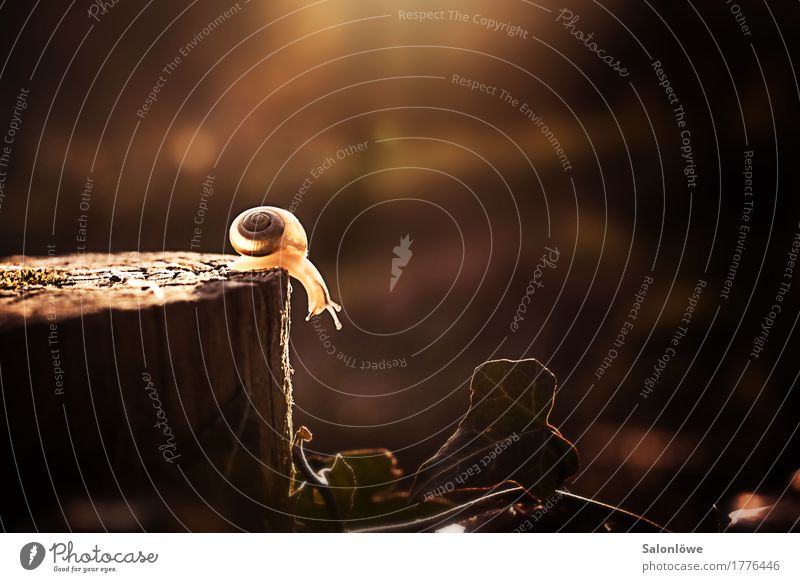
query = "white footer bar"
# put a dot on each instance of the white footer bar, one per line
(406, 557)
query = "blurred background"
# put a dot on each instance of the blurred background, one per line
(491, 136)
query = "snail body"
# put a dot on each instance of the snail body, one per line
(268, 237)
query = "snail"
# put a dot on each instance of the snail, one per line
(268, 237)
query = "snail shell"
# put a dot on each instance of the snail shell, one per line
(257, 232)
(270, 237)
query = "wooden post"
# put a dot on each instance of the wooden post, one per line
(143, 391)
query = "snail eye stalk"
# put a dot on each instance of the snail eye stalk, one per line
(268, 237)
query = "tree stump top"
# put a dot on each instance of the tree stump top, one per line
(77, 285)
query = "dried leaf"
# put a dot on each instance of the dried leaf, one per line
(366, 489)
(327, 495)
(504, 436)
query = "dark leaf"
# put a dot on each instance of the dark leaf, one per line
(325, 496)
(504, 436)
(364, 485)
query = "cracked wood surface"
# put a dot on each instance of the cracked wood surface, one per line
(32, 287)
